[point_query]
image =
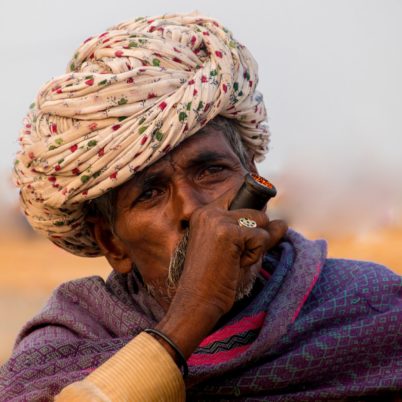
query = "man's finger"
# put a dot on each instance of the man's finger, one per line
(277, 230)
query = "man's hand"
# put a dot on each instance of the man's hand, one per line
(220, 257)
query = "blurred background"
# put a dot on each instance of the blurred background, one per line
(330, 72)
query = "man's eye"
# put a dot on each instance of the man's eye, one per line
(148, 194)
(213, 169)
(212, 172)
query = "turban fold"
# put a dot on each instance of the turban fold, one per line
(129, 96)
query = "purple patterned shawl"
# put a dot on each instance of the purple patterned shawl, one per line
(318, 329)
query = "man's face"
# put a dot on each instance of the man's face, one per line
(155, 207)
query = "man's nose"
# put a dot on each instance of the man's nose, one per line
(188, 198)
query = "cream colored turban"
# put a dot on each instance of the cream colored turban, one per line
(129, 95)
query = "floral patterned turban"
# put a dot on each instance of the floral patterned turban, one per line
(129, 96)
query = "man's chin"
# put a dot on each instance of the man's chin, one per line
(246, 286)
(159, 292)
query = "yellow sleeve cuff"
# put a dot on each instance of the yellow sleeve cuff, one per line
(141, 371)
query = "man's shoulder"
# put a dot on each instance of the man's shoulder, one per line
(73, 308)
(358, 280)
(357, 272)
(89, 308)
(79, 287)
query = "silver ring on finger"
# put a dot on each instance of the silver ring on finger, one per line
(247, 223)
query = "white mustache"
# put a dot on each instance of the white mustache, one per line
(176, 265)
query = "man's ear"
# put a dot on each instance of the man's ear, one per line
(111, 246)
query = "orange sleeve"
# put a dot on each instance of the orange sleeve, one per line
(141, 371)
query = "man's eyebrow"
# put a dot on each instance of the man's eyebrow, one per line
(209, 156)
(146, 178)
(200, 159)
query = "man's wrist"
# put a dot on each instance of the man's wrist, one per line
(169, 345)
(187, 329)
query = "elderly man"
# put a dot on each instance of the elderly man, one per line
(136, 154)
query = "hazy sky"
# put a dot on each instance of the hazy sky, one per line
(330, 72)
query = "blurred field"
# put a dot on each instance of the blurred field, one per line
(32, 267)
